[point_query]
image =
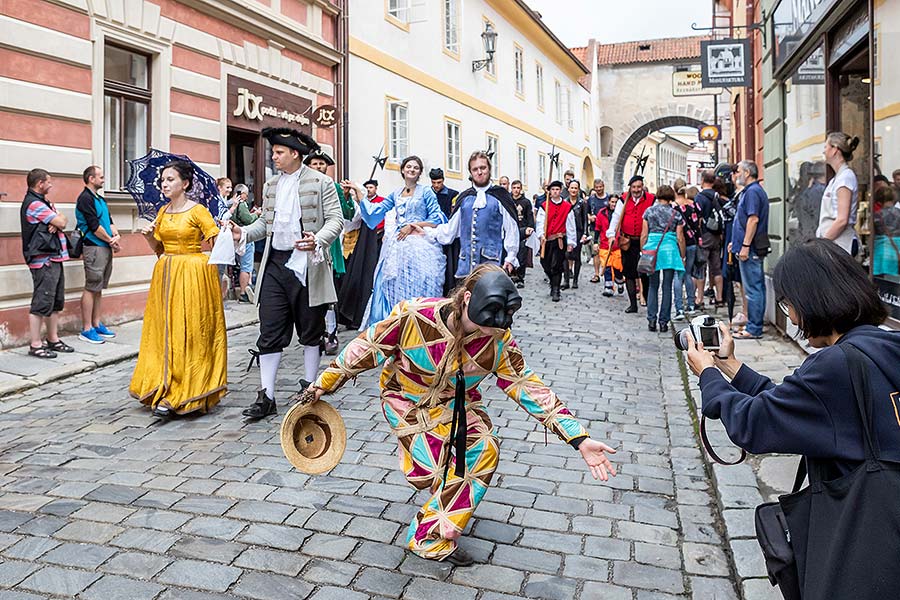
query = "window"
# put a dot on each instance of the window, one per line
(398, 130)
(606, 141)
(586, 120)
(452, 145)
(522, 170)
(520, 71)
(570, 120)
(451, 27)
(539, 83)
(542, 169)
(558, 96)
(491, 148)
(398, 13)
(126, 111)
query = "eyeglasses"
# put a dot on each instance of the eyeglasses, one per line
(784, 307)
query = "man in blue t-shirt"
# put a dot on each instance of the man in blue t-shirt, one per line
(101, 239)
(752, 217)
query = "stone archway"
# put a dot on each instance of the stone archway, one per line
(653, 120)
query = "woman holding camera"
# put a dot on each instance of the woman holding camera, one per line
(814, 412)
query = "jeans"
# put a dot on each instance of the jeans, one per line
(754, 280)
(683, 280)
(664, 309)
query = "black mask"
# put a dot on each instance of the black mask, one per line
(494, 300)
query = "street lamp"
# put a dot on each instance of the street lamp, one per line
(489, 40)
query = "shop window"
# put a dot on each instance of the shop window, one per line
(452, 144)
(805, 130)
(126, 111)
(398, 130)
(885, 203)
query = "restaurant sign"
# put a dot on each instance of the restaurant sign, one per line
(255, 106)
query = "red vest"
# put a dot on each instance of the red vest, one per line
(556, 216)
(633, 215)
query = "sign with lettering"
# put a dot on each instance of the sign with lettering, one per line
(254, 106)
(325, 116)
(690, 83)
(725, 63)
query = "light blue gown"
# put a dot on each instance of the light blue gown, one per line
(413, 267)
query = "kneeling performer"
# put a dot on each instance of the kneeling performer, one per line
(436, 352)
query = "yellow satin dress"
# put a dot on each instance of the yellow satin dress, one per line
(182, 362)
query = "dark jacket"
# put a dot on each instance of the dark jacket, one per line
(813, 412)
(36, 237)
(580, 210)
(445, 200)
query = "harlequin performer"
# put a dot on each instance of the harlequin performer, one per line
(556, 226)
(436, 352)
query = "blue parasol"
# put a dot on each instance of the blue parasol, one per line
(143, 183)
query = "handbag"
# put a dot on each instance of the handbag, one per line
(774, 539)
(75, 243)
(844, 531)
(647, 263)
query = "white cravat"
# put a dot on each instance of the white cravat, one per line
(285, 228)
(480, 197)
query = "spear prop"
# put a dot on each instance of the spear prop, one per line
(554, 158)
(379, 162)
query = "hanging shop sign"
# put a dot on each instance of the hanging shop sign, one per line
(690, 83)
(709, 133)
(812, 70)
(325, 116)
(725, 63)
(255, 106)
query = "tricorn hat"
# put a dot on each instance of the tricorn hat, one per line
(318, 153)
(285, 136)
(313, 437)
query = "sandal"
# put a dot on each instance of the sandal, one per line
(745, 335)
(595, 279)
(58, 346)
(41, 352)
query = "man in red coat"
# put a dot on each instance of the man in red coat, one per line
(555, 224)
(627, 223)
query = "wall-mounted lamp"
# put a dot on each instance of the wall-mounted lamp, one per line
(489, 40)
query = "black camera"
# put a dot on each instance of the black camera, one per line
(705, 330)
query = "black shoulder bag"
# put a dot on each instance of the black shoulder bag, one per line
(845, 533)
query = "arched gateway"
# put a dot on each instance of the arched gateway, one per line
(626, 148)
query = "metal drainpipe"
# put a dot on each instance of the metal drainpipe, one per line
(342, 75)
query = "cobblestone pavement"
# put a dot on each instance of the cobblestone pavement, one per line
(99, 501)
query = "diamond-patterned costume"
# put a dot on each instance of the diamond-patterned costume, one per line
(411, 343)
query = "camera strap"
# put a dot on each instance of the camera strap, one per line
(712, 453)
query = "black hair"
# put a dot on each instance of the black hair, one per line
(185, 172)
(829, 290)
(88, 173)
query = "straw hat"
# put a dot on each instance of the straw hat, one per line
(313, 437)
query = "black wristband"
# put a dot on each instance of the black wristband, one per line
(575, 442)
(745, 245)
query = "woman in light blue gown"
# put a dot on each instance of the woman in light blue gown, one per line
(410, 266)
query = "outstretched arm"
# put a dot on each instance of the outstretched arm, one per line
(367, 351)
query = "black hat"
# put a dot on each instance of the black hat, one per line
(371, 182)
(291, 138)
(635, 178)
(436, 173)
(318, 153)
(556, 183)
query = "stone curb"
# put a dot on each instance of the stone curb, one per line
(20, 384)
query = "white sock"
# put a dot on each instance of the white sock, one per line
(268, 370)
(311, 357)
(330, 321)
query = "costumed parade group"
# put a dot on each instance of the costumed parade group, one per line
(430, 278)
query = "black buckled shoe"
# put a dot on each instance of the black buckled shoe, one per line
(460, 558)
(331, 344)
(262, 408)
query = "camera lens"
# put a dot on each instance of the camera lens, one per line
(681, 339)
(709, 321)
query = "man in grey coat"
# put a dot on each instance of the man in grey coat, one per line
(301, 217)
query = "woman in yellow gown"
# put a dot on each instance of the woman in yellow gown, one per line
(181, 366)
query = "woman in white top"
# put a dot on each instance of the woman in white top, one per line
(839, 202)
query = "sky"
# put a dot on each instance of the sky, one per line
(576, 21)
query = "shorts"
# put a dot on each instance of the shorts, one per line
(49, 289)
(284, 308)
(97, 267)
(246, 261)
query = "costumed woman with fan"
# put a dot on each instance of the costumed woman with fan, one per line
(436, 352)
(181, 365)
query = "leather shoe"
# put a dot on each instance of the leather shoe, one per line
(651, 325)
(163, 412)
(631, 309)
(331, 344)
(460, 558)
(263, 407)
(663, 327)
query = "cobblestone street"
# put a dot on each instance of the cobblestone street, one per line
(100, 501)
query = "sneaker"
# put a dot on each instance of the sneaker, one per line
(679, 316)
(244, 298)
(692, 312)
(91, 337)
(608, 292)
(620, 288)
(103, 331)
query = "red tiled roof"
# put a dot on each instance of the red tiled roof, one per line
(643, 51)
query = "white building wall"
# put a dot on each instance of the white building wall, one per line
(409, 64)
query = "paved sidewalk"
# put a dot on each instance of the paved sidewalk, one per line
(762, 478)
(19, 371)
(98, 500)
